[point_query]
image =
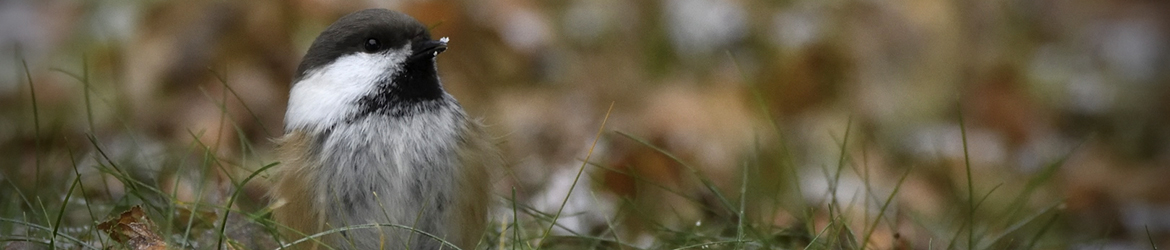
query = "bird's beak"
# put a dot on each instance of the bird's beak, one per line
(428, 49)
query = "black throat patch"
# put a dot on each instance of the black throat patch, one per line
(415, 89)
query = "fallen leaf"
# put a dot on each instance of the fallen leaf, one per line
(133, 229)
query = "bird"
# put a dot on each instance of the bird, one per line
(375, 148)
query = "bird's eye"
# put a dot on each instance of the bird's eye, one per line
(372, 45)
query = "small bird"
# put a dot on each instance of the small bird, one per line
(371, 137)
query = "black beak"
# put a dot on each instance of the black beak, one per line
(427, 49)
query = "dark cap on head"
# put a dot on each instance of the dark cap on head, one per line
(355, 32)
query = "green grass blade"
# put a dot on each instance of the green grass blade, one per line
(970, 185)
(44, 228)
(445, 243)
(1150, 238)
(840, 167)
(1044, 229)
(86, 91)
(579, 171)
(515, 223)
(818, 236)
(882, 211)
(1022, 223)
(708, 244)
(641, 179)
(691, 169)
(739, 226)
(81, 185)
(32, 90)
(223, 81)
(236, 195)
(136, 187)
(61, 214)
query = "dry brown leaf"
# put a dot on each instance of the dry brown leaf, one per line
(133, 229)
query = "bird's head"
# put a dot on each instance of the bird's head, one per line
(370, 62)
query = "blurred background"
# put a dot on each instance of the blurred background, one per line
(803, 113)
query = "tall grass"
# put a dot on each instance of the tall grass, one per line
(746, 221)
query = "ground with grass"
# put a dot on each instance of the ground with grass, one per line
(670, 124)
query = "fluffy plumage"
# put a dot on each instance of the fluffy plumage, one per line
(371, 137)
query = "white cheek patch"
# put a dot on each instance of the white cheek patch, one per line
(329, 95)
